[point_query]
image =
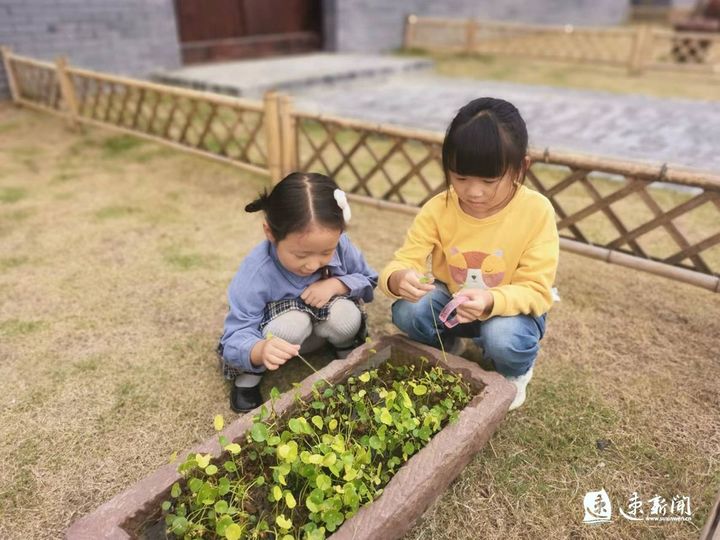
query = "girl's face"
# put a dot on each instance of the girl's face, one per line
(305, 252)
(482, 197)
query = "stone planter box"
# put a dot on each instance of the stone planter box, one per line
(415, 486)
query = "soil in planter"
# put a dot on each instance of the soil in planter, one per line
(301, 475)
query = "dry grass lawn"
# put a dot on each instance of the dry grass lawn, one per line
(577, 75)
(114, 259)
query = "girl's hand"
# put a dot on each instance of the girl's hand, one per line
(410, 285)
(319, 293)
(479, 306)
(275, 352)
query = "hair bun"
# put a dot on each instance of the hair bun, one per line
(258, 204)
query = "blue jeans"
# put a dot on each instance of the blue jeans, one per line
(511, 344)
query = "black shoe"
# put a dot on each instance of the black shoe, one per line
(245, 399)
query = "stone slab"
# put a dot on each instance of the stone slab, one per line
(251, 78)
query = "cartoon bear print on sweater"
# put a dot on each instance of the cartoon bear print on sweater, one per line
(475, 269)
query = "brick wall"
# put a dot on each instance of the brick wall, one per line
(377, 25)
(133, 37)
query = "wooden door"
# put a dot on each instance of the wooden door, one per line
(213, 30)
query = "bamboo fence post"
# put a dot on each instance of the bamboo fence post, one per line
(288, 135)
(409, 36)
(272, 135)
(639, 50)
(67, 91)
(470, 28)
(12, 82)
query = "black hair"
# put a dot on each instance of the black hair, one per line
(298, 200)
(487, 138)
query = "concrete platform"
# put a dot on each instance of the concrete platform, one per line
(251, 78)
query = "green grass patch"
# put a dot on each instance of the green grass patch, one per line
(88, 365)
(185, 260)
(63, 176)
(7, 127)
(11, 195)
(23, 485)
(17, 327)
(116, 212)
(120, 145)
(7, 263)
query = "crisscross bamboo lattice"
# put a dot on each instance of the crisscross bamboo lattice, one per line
(619, 211)
(637, 48)
(223, 127)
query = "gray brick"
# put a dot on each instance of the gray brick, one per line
(129, 36)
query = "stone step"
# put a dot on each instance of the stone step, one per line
(251, 78)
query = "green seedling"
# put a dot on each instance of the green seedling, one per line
(301, 475)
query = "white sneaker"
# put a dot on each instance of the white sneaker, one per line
(520, 383)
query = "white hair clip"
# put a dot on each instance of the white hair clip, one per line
(342, 202)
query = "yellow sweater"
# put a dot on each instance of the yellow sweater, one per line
(513, 253)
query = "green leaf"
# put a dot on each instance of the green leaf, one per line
(277, 493)
(283, 451)
(274, 393)
(332, 519)
(166, 506)
(222, 525)
(221, 507)
(332, 425)
(323, 482)
(290, 500)
(218, 422)
(175, 490)
(295, 425)
(318, 421)
(233, 532)
(195, 484)
(230, 466)
(202, 460)
(179, 525)
(420, 390)
(259, 432)
(386, 417)
(273, 440)
(233, 448)
(211, 469)
(223, 486)
(364, 377)
(283, 522)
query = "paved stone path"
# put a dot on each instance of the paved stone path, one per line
(676, 131)
(400, 90)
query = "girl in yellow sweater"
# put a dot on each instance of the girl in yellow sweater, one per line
(493, 246)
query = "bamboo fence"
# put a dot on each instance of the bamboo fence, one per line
(638, 48)
(659, 219)
(230, 129)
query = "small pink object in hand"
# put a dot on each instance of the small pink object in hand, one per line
(448, 310)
